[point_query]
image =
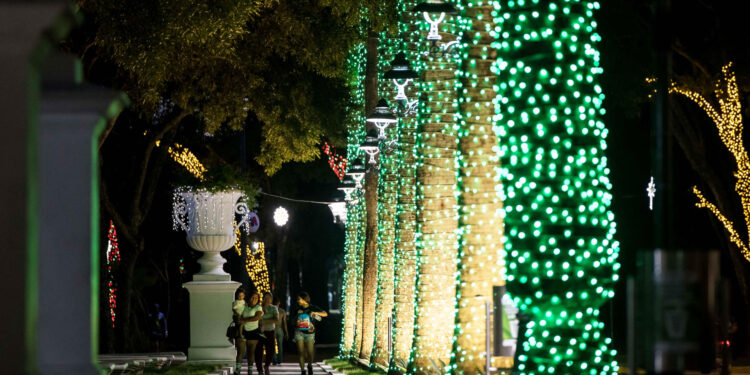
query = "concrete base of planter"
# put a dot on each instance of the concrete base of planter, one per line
(210, 314)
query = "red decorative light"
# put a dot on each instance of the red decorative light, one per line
(113, 258)
(337, 162)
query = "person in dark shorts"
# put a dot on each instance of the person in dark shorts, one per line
(304, 334)
(251, 316)
(268, 326)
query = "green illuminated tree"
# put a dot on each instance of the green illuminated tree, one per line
(558, 225)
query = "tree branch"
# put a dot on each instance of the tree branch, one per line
(122, 225)
(728, 225)
(137, 215)
(107, 130)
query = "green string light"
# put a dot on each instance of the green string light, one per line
(562, 256)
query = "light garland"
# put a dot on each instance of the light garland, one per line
(113, 259)
(337, 162)
(354, 242)
(480, 224)
(185, 157)
(559, 230)
(405, 253)
(728, 121)
(386, 219)
(255, 266)
(728, 225)
(437, 219)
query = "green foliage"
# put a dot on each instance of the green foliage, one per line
(184, 369)
(222, 177)
(283, 61)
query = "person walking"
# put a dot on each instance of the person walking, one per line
(250, 319)
(158, 328)
(304, 335)
(238, 307)
(268, 323)
(282, 334)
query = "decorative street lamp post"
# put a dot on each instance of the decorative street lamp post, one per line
(402, 74)
(357, 172)
(338, 210)
(381, 117)
(429, 9)
(371, 146)
(348, 186)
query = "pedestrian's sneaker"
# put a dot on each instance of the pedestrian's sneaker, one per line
(265, 370)
(309, 368)
(303, 372)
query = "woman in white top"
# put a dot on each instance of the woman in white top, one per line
(250, 318)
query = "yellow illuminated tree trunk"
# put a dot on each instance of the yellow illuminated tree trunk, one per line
(479, 204)
(436, 218)
(405, 252)
(387, 197)
(351, 275)
(370, 258)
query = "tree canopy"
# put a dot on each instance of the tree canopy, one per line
(282, 61)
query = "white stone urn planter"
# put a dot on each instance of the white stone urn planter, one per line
(208, 220)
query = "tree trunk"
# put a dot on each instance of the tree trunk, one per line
(387, 196)
(349, 308)
(370, 266)
(436, 218)
(480, 226)
(405, 251)
(130, 226)
(405, 255)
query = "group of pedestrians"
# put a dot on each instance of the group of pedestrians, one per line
(264, 329)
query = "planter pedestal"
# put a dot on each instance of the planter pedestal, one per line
(210, 313)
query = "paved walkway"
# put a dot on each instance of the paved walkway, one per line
(289, 368)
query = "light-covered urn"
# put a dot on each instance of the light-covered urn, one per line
(208, 220)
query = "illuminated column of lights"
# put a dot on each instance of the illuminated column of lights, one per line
(255, 262)
(183, 156)
(728, 121)
(559, 230)
(113, 260)
(405, 260)
(354, 243)
(387, 198)
(437, 217)
(256, 266)
(480, 224)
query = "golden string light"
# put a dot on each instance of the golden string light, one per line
(183, 156)
(728, 121)
(255, 265)
(728, 225)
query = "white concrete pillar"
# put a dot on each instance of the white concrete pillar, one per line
(211, 299)
(49, 226)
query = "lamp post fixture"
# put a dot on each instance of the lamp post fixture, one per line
(338, 210)
(402, 74)
(381, 117)
(348, 186)
(357, 172)
(429, 9)
(371, 146)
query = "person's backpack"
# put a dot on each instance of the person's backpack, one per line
(304, 324)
